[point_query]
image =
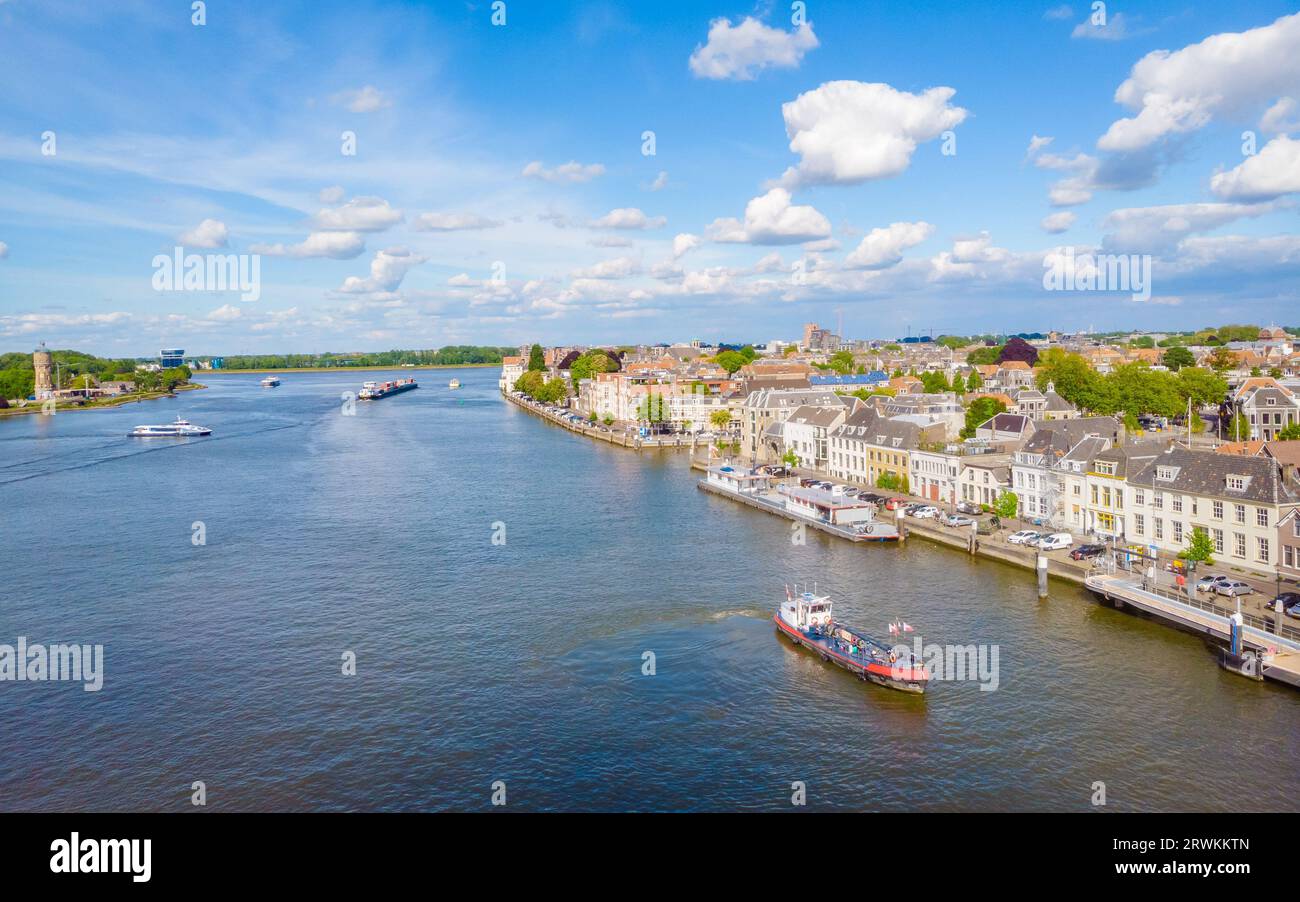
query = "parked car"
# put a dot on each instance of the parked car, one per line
(1024, 537)
(1085, 552)
(925, 512)
(1055, 541)
(1210, 583)
(807, 483)
(968, 507)
(1290, 604)
(958, 520)
(894, 504)
(1233, 587)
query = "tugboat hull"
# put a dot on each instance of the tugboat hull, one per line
(904, 679)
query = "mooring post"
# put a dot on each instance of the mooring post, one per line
(1042, 575)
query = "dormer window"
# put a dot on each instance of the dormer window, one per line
(1166, 474)
(1106, 467)
(1238, 483)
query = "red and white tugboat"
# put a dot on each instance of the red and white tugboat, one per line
(807, 620)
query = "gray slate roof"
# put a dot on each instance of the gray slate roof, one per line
(1206, 473)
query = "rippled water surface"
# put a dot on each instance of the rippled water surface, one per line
(522, 662)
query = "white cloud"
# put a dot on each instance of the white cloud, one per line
(1114, 28)
(742, 51)
(4, 250)
(1232, 73)
(571, 171)
(361, 214)
(660, 182)
(628, 218)
(225, 314)
(1056, 223)
(452, 222)
(883, 248)
(1078, 188)
(684, 243)
(336, 245)
(331, 195)
(617, 268)
(1159, 229)
(209, 233)
(1272, 172)
(387, 269)
(1036, 144)
(771, 219)
(1281, 117)
(850, 131)
(363, 100)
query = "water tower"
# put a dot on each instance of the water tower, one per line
(44, 367)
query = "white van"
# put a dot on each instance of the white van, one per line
(1055, 541)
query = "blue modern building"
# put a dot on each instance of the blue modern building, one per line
(873, 378)
(170, 357)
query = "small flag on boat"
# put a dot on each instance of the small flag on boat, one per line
(907, 627)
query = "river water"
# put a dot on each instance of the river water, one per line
(521, 661)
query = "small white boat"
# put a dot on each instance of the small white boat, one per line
(180, 429)
(454, 383)
(270, 382)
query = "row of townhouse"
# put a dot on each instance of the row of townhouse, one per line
(1151, 495)
(1268, 406)
(764, 412)
(869, 445)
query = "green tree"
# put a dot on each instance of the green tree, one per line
(1237, 428)
(1199, 547)
(1176, 358)
(653, 409)
(730, 361)
(984, 356)
(935, 382)
(959, 384)
(1071, 377)
(790, 459)
(1222, 359)
(1290, 433)
(531, 384)
(1006, 505)
(720, 419)
(842, 362)
(554, 391)
(536, 360)
(587, 365)
(889, 481)
(609, 420)
(974, 381)
(981, 410)
(1201, 386)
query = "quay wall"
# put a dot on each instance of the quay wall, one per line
(622, 439)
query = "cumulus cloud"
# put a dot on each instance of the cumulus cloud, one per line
(883, 248)
(772, 219)
(684, 243)
(452, 222)
(225, 314)
(848, 132)
(742, 51)
(1233, 73)
(361, 214)
(628, 218)
(209, 233)
(1281, 117)
(1037, 143)
(617, 268)
(1271, 173)
(1112, 28)
(362, 100)
(387, 270)
(332, 194)
(1156, 230)
(335, 245)
(570, 172)
(1056, 223)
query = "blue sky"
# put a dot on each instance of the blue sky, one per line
(499, 192)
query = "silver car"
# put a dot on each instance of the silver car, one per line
(1233, 587)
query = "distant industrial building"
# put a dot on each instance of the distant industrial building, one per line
(171, 357)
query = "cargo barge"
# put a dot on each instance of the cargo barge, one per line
(373, 391)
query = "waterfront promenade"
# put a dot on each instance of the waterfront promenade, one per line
(605, 434)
